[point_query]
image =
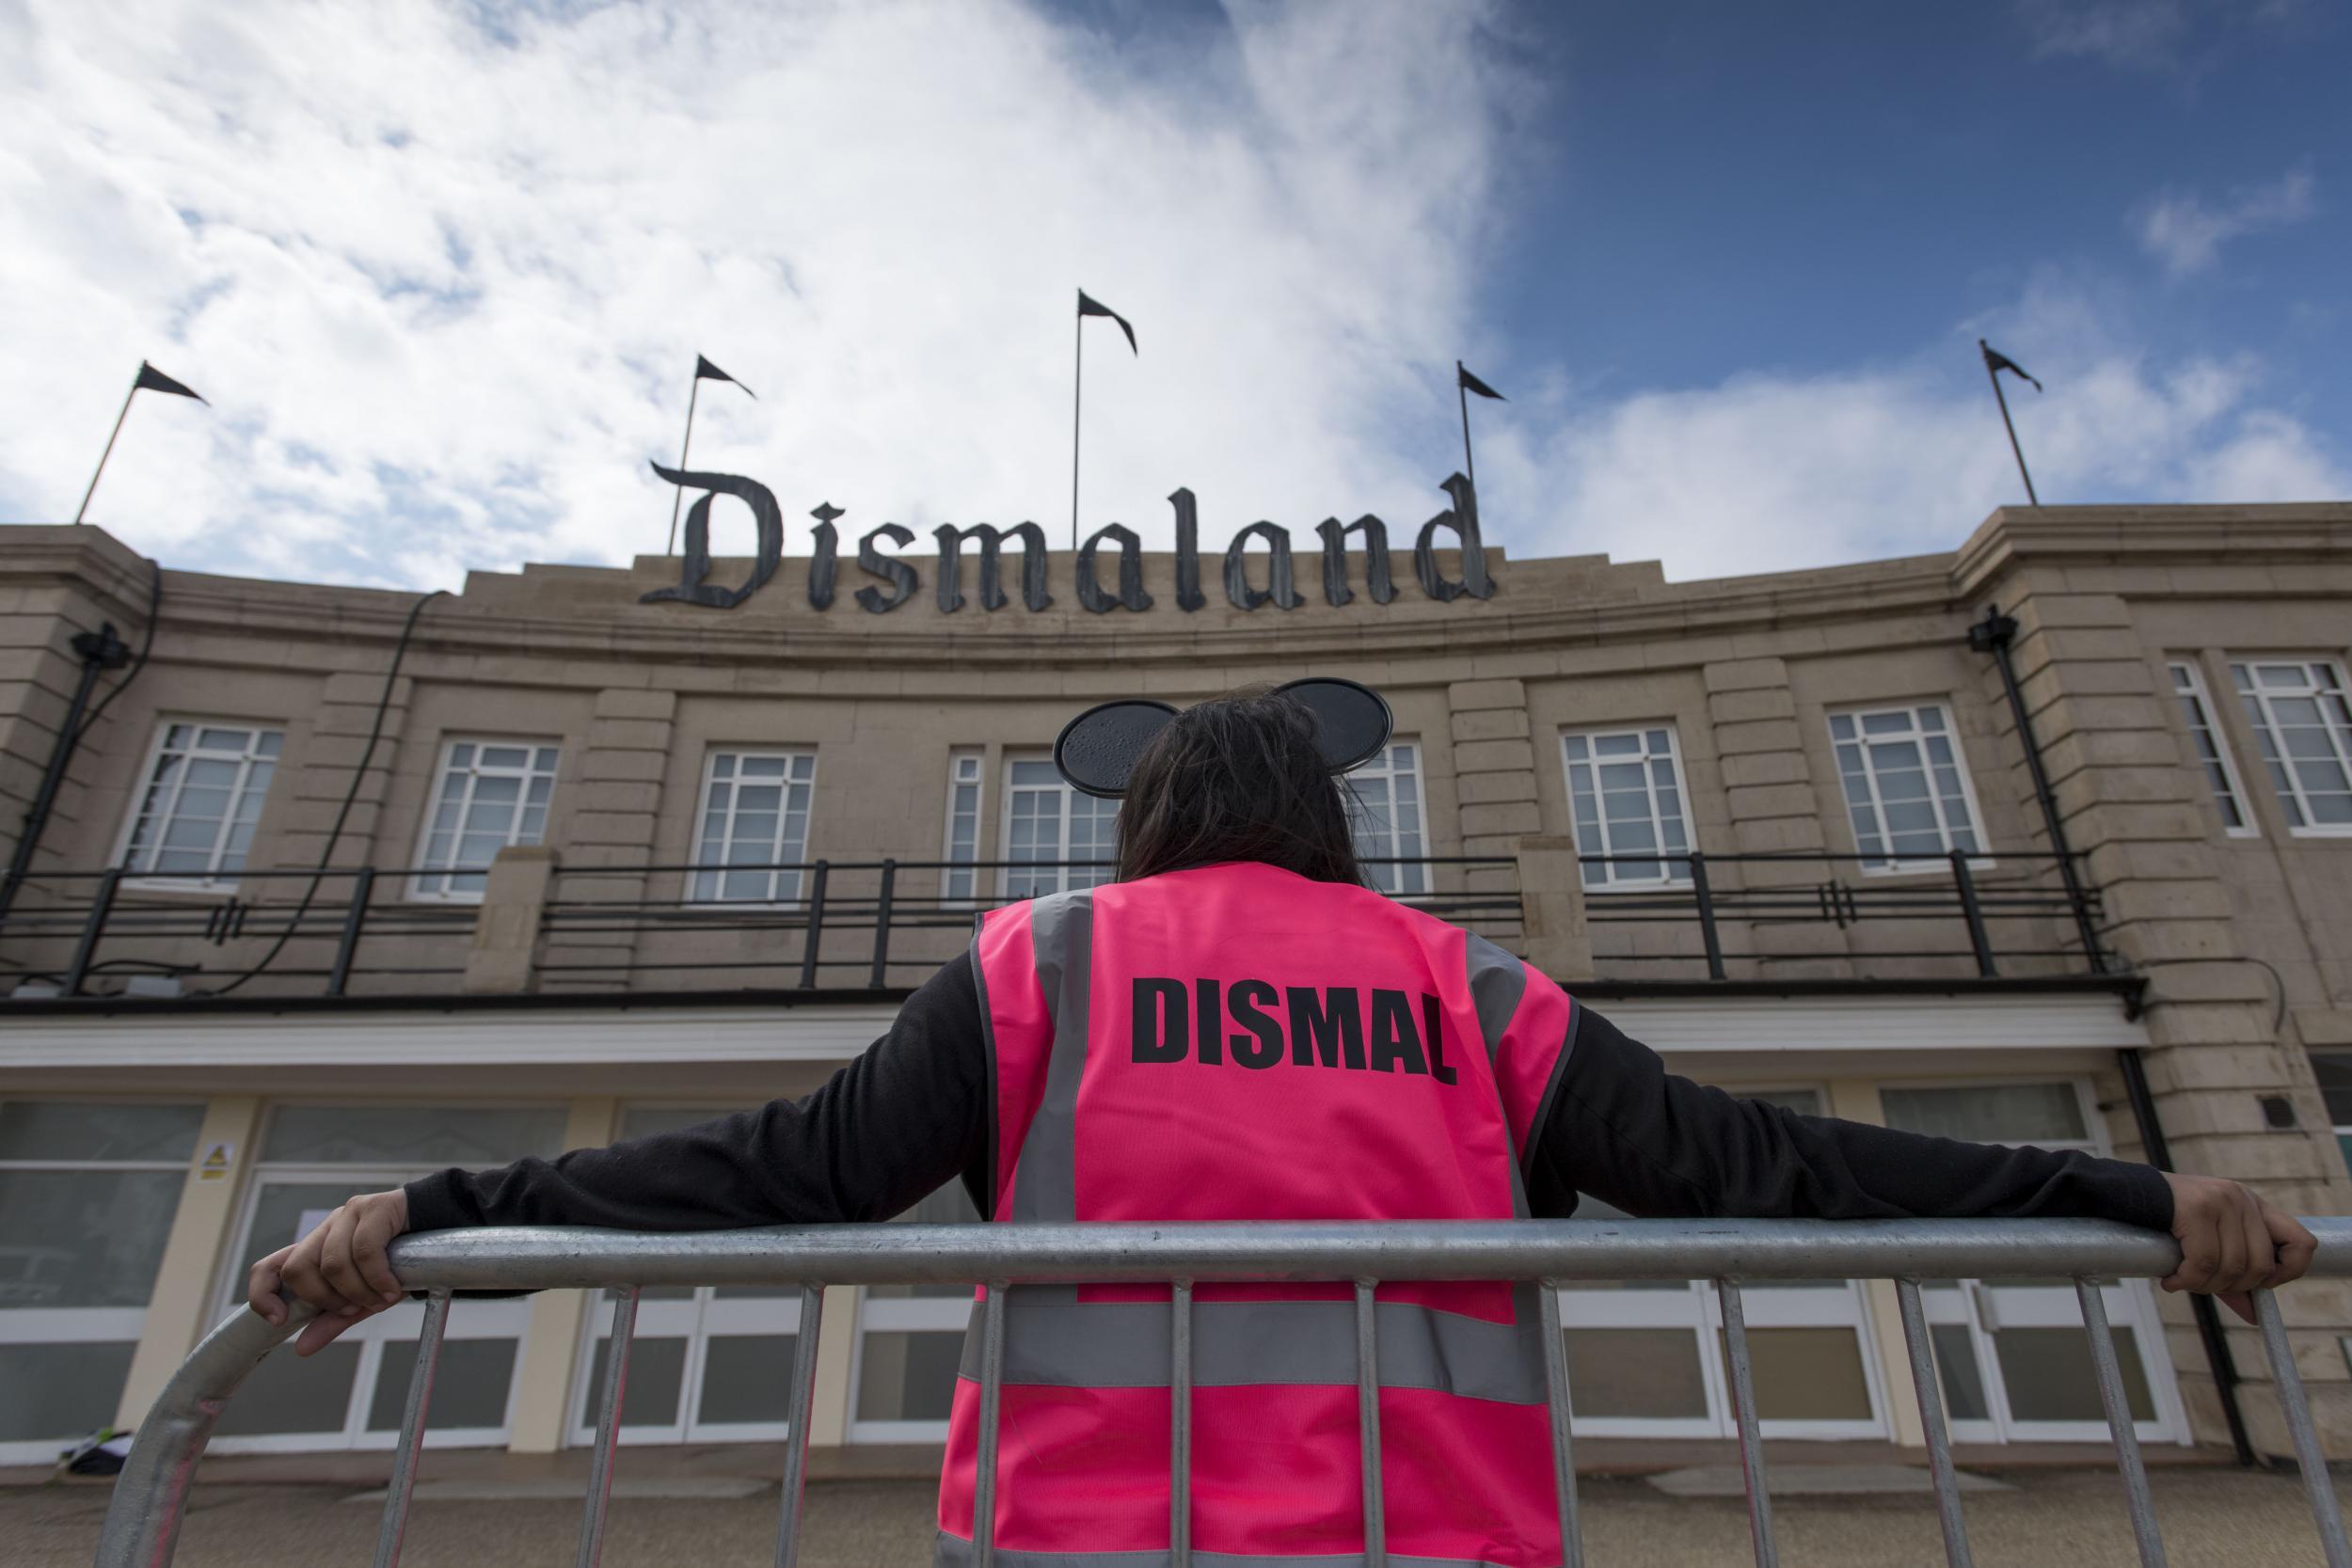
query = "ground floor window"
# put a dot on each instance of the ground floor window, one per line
(707, 1364)
(1645, 1359)
(910, 1339)
(350, 1395)
(88, 1189)
(2010, 1353)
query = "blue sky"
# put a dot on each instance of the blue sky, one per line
(442, 268)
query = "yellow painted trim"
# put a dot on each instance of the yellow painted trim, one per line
(836, 1345)
(550, 1347)
(1857, 1100)
(177, 1310)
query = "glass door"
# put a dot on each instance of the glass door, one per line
(1639, 1364)
(910, 1341)
(708, 1363)
(2011, 1353)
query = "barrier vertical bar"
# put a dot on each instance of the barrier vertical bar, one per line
(347, 946)
(992, 1397)
(1923, 1378)
(93, 929)
(815, 934)
(1979, 940)
(2119, 1409)
(801, 1410)
(1556, 1399)
(1368, 1425)
(1180, 1430)
(608, 1427)
(2326, 1513)
(403, 1484)
(1751, 1436)
(1704, 893)
(881, 925)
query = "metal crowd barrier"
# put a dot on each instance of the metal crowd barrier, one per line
(143, 1523)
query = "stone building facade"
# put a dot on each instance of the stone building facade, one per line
(336, 887)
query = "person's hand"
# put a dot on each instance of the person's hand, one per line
(339, 1268)
(2234, 1240)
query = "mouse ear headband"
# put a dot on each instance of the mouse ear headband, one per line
(1097, 750)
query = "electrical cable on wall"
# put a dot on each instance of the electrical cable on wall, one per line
(146, 646)
(342, 815)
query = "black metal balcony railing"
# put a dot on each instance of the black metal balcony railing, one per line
(876, 925)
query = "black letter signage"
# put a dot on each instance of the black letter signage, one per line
(1375, 532)
(1463, 520)
(1131, 594)
(1277, 587)
(694, 569)
(1189, 594)
(897, 573)
(822, 562)
(950, 589)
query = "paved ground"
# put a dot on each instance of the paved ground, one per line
(2071, 1518)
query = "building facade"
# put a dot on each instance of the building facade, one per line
(336, 887)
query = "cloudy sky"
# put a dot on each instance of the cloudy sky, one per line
(442, 269)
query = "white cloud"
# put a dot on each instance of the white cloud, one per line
(2131, 35)
(2186, 235)
(444, 282)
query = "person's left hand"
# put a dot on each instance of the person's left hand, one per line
(2234, 1240)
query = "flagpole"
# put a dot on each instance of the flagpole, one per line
(1077, 387)
(686, 446)
(110, 447)
(1994, 376)
(1469, 466)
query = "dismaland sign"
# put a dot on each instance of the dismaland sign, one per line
(900, 581)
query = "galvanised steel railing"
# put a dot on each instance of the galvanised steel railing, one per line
(150, 1496)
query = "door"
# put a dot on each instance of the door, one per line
(2011, 1353)
(910, 1339)
(1640, 1363)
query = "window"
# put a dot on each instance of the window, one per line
(1905, 786)
(87, 1194)
(204, 789)
(755, 816)
(1384, 814)
(2299, 715)
(2334, 1071)
(1625, 795)
(492, 794)
(1047, 826)
(963, 826)
(2229, 796)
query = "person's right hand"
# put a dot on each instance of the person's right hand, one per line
(340, 1268)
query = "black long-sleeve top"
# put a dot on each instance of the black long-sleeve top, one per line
(914, 1113)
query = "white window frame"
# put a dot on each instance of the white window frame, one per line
(1890, 863)
(2204, 724)
(65, 1325)
(707, 887)
(960, 876)
(1062, 880)
(419, 889)
(2286, 784)
(1411, 879)
(213, 880)
(1615, 879)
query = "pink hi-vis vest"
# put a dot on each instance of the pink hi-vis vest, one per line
(1236, 1042)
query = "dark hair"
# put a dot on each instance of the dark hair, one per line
(1237, 777)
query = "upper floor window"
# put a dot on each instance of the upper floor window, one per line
(195, 819)
(1625, 796)
(1384, 816)
(2213, 752)
(755, 817)
(1048, 825)
(1906, 787)
(491, 794)
(2300, 717)
(959, 880)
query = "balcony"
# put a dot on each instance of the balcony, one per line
(548, 932)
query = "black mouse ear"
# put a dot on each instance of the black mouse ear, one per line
(1097, 751)
(1352, 720)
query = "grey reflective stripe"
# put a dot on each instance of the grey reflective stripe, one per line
(1496, 982)
(1061, 936)
(995, 1077)
(1125, 1344)
(954, 1551)
(1552, 1086)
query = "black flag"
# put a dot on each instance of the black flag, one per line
(152, 380)
(1469, 383)
(1994, 360)
(706, 370)
(1089, 307)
